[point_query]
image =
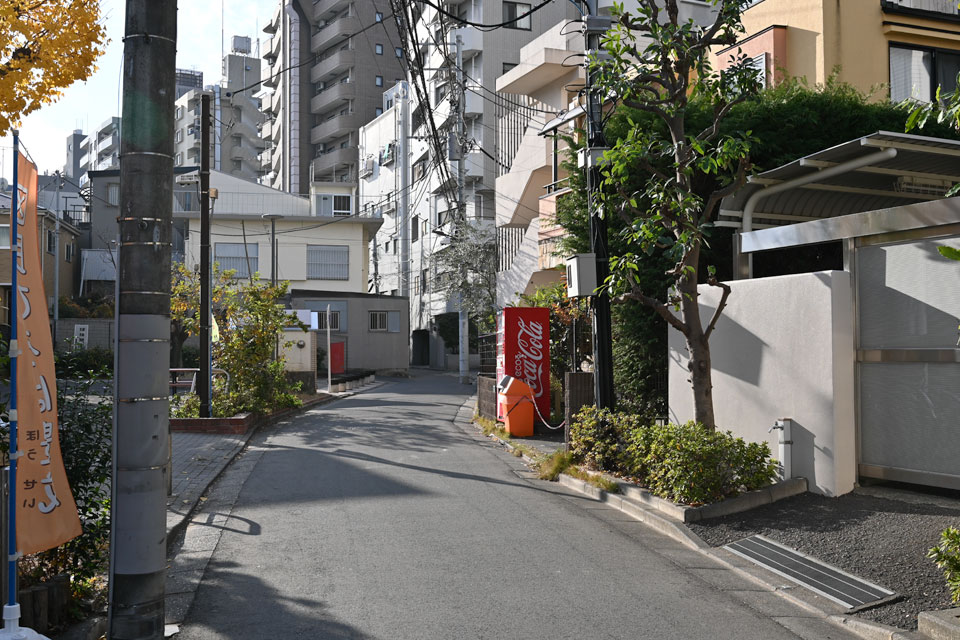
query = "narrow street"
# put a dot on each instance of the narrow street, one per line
(377, 517)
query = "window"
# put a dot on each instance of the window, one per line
(379, 111)
(330, 204)
(507, 66)
(414, 229)
(51, 242)
(478, 206)
(334, 320)
(113, 194)
(4, 236)
(378, 17)
(179, 159)
(394, 245)
(378, 81)
(423, 279)
(378, 48)
(179, 112)
(398, 51)
(378, 321)
(231, 256)
(416, 285)
(916, 73)
(68, 252)
(511, 13)
(179, 136)
(386, 247)
(328, 262)
(342, 205)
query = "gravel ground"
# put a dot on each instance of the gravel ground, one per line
(881, 534)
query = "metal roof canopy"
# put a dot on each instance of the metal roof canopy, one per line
(882, 170)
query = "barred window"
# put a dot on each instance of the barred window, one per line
(231, 256)
(378, 321)
(328, 262)
(334, 321)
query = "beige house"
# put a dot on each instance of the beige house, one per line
(904, 47)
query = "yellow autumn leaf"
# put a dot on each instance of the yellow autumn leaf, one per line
(45, 46)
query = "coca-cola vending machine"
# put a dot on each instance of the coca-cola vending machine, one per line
(523, 351)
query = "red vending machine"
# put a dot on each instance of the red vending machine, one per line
(523, 351)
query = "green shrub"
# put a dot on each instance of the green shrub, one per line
(84, 363)
(684, 463)
(947, 556)
(690, 464)
(190, 356)
(599, 438)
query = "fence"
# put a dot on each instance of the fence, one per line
(487, 397)
(487, 347)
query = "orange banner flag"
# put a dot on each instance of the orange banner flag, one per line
(46, 512)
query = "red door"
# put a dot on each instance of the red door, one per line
(338, 357)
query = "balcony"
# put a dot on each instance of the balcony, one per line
(328, 162)
(324, 9)
(273, 50)
(472, 40)
(332, 64)
(272, 80)
(108, 143)
(334, 33)
(332, 96)
(941, 7)
(336, 127)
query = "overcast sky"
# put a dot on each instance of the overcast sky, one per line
(85, 105)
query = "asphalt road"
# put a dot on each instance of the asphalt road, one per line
(376, 517)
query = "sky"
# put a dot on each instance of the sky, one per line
(85, 105)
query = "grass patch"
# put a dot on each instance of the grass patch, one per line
(553, 465)
(494, 428)
(596, 480)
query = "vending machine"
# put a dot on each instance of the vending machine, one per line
(523, 351)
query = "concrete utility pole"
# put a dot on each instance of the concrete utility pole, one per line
(204, 390)
(58, 211)
(462, 320)
(596, 26)
(138, 547)
(404, 217)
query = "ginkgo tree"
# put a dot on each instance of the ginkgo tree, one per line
(45, 46)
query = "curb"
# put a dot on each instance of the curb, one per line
(674, 528)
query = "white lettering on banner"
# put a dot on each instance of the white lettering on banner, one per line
(529, 362)
(52, 501)
(22, 204)
(26, 301)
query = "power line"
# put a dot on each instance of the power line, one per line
(488, 27)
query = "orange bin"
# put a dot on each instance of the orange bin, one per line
(518, 407)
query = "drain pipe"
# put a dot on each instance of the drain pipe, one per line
(784, 446)
(745, 266)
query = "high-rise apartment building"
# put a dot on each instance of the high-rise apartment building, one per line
(188, 80)
(444, 99)
(235, 136)
(327, 66)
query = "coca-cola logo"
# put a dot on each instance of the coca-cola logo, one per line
(529, 361)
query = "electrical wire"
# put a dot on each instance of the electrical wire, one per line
(482, 26)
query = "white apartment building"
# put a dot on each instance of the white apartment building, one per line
(235, 132)
(406, 244)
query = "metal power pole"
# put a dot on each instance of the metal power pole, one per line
(203, 378)
(596, 26)
(462, 321)
(138, 557)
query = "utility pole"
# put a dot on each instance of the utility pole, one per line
(596, 26)
(204, 390)
(274, 263)
(462, 321)
(404, 162)
(138, 549)
(56, 260)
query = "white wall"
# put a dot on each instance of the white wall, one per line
(783, 348)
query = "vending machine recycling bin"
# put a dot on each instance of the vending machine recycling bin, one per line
(518, 406)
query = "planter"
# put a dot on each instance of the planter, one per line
(236, 424)
(46, 606)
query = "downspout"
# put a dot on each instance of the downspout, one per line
(745, 263)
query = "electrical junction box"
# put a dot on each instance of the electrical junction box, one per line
(581, 275)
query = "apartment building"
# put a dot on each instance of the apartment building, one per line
(235, 138)
(897, 48)
(411, 238)
(541, 105)
(314, 110)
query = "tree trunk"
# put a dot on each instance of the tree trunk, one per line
(698, 347)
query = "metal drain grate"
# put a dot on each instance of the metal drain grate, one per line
(830, 582)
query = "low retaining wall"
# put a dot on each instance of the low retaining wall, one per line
(235, 424)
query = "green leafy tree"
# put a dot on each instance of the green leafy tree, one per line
(657, 64)
(467, 271)
(564, 312)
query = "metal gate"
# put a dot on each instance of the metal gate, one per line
(908, 361)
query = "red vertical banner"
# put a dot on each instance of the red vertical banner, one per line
(46, 512)
(523, 347)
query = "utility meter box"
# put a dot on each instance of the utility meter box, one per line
(581, 275)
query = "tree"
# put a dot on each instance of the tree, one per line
(467, 270)
(45, 46)
(657, 63)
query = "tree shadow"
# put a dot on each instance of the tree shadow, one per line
(232, 603)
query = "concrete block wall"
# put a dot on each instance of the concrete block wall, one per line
(99, 332)
(783, 348)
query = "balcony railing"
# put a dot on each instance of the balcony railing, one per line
(946, 7)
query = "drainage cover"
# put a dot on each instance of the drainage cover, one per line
(830, 582)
